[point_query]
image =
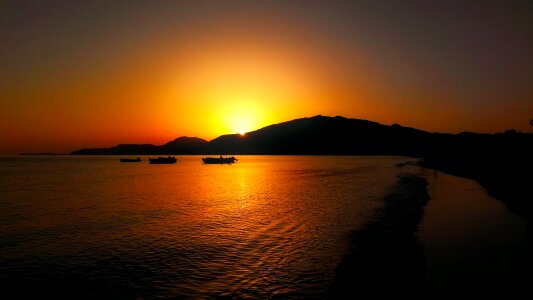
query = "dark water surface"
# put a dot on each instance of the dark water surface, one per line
(268, 226)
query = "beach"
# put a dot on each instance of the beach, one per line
(472, 244)
(437, 236)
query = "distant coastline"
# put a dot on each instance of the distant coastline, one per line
(323, 135)
(501, 162)
(318, 135)
(511, 184)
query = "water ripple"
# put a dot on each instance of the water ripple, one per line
(267, 227)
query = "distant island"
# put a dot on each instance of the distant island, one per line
(318, 135)
(322, 135)
(502, 162)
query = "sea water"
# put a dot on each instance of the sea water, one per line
(265, 227)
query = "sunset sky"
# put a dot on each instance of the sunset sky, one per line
(79, 74)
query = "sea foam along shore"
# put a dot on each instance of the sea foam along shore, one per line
(384, 257)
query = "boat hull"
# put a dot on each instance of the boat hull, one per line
(218, 160)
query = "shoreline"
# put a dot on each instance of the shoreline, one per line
(473, 245)
(397, 254)
(503, 182)
(385, 258)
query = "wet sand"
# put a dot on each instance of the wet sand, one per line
(463, 243)
(473, 246)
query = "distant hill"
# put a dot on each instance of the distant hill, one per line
(181, 145)
(184, 145)
(324, 135)
(121, 149)
(502, 162)
(315, 135)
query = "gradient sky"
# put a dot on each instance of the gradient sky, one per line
(79, 74)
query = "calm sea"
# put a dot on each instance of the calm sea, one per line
(265, 227)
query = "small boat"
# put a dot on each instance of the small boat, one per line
(219, 160)
(163, 160)
(138, 159)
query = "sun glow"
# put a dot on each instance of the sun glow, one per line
(246, 116)
(237, 89)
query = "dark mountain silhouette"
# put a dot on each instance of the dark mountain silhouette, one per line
(119, 150)
(324, 135)
(502, 162)
(184, 145)
(181, 145)
(315, 135)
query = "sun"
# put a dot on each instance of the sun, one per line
(242, 125)
(243, 117)
(240, 115)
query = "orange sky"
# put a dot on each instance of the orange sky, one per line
(97, 74)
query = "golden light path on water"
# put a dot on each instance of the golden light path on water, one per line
(266, 226)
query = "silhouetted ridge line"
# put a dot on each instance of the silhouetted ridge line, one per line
(314, 135)
(501, 162)
(324, 135)
(181, 145)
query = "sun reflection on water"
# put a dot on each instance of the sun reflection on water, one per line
(263, 227)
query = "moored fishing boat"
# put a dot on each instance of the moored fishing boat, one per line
(219, 160)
